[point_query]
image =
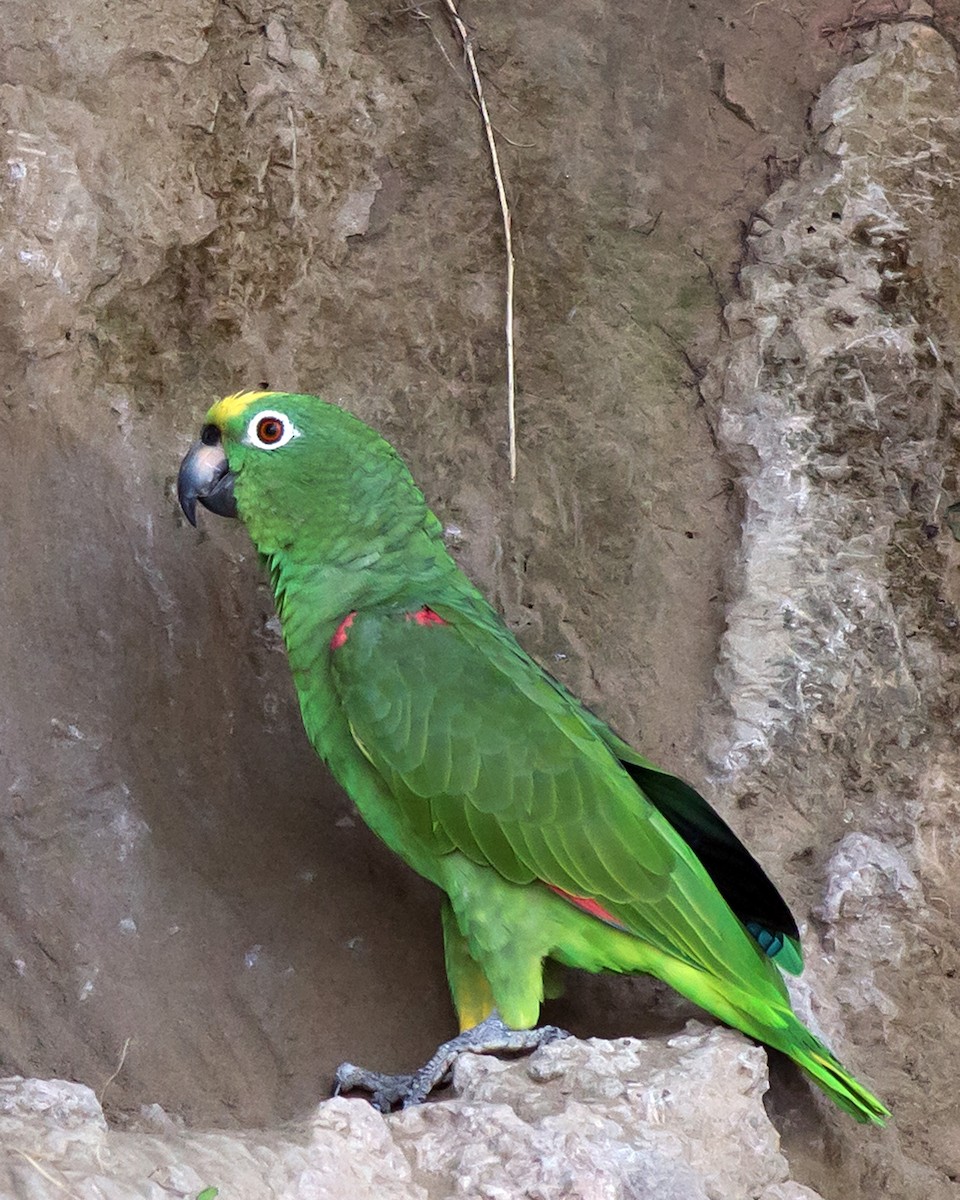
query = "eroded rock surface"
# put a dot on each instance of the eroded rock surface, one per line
(668, 1119)
(839, 666)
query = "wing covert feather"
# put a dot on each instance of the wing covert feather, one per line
(514, 776)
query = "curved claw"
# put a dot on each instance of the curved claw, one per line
(385, 1091)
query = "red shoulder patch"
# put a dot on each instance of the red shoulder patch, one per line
(426, 616)
(340, 635)
(591, 907)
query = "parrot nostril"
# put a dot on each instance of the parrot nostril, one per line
(210, 435)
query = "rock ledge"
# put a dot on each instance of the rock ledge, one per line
(677, 1118)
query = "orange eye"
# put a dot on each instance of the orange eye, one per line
(270, 430)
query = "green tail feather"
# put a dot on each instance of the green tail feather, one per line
(771, 1021)
(816, 1061)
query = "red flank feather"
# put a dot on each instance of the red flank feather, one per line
(426, 616)
(340, 636)
(589, 906)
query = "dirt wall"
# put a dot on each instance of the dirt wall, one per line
(201, 196)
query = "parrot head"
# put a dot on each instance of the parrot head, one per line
(234, 427)
(299, 472)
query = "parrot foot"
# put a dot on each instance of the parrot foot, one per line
(385, 1092)
(491, 1036)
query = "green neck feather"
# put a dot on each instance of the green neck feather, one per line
(339, 523)
(387, 566)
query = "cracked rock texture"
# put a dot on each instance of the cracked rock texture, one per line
(728, 534)
(838, 406)
(666, 1119)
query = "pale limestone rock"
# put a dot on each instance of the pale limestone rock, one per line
(788, 1190)
(668, 1119)
(837, 403)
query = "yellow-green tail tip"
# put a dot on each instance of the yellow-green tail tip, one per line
(842, 1088)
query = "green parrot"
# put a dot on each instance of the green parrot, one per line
(552, 840)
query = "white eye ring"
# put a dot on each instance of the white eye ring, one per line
(253, 436)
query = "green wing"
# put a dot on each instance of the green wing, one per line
(738, 876)
(486, 756)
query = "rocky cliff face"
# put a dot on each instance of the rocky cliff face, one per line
(729, 531)
(838, 665)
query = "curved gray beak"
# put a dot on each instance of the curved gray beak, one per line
(205, 476)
